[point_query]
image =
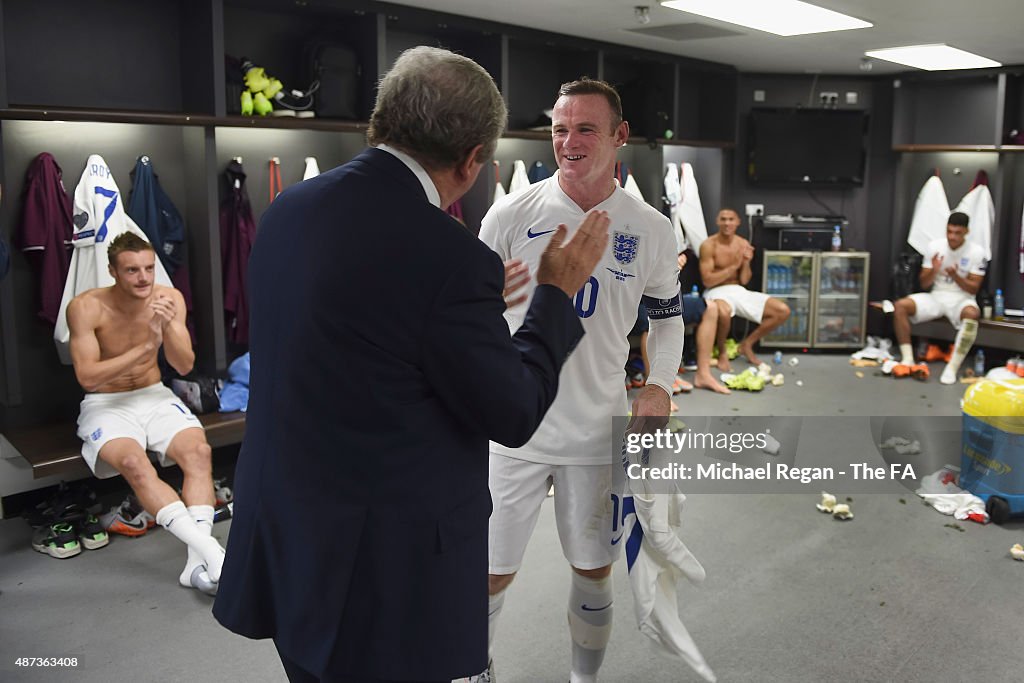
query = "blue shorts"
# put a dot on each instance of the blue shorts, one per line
(693, 309)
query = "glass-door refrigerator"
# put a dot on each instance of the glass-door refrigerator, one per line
(791, 276)
(827, 297)
(841, 300)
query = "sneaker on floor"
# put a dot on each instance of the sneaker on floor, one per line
(127, 519)
(933, 353)
(57, 540)
(485, 676)
(901, 370)
(947, 376)
(200, 580)
(681, 386)
(91, 533)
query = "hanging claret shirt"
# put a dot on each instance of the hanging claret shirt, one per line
(237, 234)
(45, 230)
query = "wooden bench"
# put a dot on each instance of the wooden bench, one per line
(997, 334)
(57, 450)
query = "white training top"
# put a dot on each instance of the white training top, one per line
(640, 260)
(969, 258)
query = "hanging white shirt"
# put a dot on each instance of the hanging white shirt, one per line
(691, 213)
(931, 214)
(99, 217)
(980, 208)
(632, 188)
(520, 181)
(312, 169)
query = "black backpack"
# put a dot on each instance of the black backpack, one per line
(335, 67)
(905, 273)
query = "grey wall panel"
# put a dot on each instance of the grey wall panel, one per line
(100, 36)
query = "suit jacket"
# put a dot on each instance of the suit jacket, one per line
(381, 366)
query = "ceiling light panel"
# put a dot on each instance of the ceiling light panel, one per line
(933, 57)
(781, 17)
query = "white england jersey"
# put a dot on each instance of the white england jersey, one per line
(968, 259)
(640, 260)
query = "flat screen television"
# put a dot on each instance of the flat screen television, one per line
(806, 147)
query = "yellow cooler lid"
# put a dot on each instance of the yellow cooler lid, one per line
(998, 402)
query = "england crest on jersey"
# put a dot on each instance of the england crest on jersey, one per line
(625, 247)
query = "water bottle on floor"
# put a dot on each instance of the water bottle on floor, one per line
(979, 363)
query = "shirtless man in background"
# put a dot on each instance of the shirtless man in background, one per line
(116, 334)
(725, 269)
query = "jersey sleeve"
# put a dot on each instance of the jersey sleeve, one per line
(492, 235)
(664, 280)
(978, 264)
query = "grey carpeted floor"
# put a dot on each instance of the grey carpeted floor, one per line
(791, 594)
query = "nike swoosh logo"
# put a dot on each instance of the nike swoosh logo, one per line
(616, 540)
(595, 609)
(531, 234)
(133, 524)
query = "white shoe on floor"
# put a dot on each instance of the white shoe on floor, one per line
(948, 376)
(200, 580)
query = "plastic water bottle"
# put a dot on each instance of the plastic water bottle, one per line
(694, 292)
(769, 285)
(777, 358)
(979, 363)
(837, 240)
(999, 306)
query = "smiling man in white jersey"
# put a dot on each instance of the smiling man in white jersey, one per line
(573, 445)
(954, 273)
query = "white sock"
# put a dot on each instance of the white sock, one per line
(175, 518)
(965, 337)
(202, 515)
(590, 625)
(494, 604)
(907, 351)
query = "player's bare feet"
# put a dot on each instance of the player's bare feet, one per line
(748, 352)
(723, 363)
(707, 381)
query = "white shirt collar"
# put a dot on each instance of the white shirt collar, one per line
(433, 196)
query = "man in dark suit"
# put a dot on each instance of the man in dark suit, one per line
(381, 366)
